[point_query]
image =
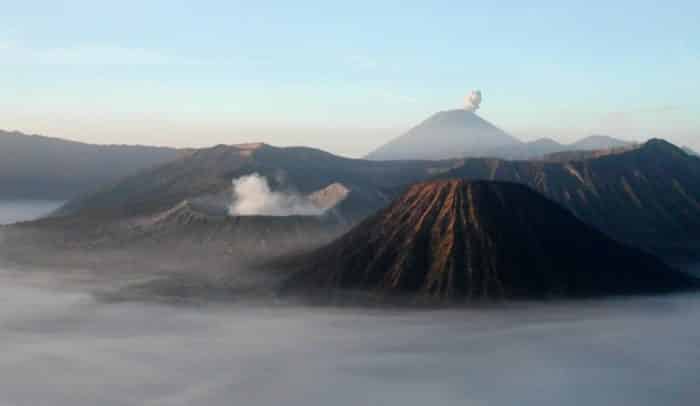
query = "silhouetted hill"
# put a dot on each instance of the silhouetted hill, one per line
(481, 240)
(369, 185)
(649, 196)
(36, 167)
(447, 134)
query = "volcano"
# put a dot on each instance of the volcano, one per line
(456, 240)
(447, 134)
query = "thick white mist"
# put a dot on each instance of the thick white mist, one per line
(64, 349)
(252, 196)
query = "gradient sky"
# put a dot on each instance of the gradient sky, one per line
(347, 76)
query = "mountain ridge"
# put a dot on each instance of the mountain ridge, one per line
(39, 167)
(460, 133)
(210, 171)
(648, 196)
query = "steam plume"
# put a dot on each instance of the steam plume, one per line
(252, 197)
(473, 100)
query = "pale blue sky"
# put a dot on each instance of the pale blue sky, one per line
(346, 76)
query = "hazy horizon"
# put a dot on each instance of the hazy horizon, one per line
(335, 77)
(314, 138)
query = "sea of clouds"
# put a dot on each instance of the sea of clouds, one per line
(61, 346)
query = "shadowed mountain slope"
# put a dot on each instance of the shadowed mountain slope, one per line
(649, 196)
(36, 167)
(462, 240)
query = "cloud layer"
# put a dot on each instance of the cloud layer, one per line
(61, 347)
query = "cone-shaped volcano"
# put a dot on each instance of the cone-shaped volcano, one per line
(458, 239)
(447, 134)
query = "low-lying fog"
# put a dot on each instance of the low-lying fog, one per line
(63, 347)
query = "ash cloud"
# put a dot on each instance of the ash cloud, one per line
(252, 196)
(473, 100)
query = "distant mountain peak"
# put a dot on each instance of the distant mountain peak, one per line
(659, 143)
(453, 115)
(446, 134)
(598, 142)
(599, 137)
(455, 118)
(546, 140)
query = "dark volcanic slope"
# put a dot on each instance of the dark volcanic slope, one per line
(649, 196)
(455, 239)
(36, 167)
(211, 170)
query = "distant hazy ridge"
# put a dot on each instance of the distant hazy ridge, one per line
(36, 167)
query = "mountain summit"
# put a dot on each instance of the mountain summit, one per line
(447, 134)
(474, 240)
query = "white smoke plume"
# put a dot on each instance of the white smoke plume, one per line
(473, 100)
(252, 196)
